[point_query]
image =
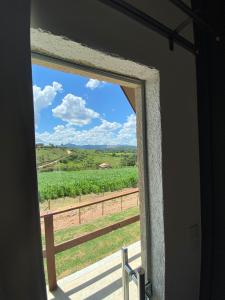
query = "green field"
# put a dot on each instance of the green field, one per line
(77, 258)
(49, 154)
(68, 159)
(57, 184)
(74, 172)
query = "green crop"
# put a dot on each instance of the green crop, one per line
(53, 185)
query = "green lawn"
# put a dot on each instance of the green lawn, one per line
(88, 253)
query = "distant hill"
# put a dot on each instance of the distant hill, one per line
(71, 157)
(49, 154)
(101, 147)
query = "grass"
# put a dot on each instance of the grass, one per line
(79, 257)
(47, 154)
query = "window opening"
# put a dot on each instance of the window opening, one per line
(86, 155)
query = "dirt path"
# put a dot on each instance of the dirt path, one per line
(55, 161)
(87, 214)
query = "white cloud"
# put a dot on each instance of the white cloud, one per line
(44, 97)
(94, 83)
(107, 133)
(127, 134)
(74, 111)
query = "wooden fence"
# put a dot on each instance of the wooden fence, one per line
(52, 249)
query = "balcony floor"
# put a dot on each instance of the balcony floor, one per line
(101, 280)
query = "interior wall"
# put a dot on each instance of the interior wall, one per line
(21, 271)
(98, 26)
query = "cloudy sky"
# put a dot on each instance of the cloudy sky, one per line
(71, 109)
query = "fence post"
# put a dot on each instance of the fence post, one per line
(49, 204)
(50, 252)
(102, 208)
(125, 277)
(79, 214)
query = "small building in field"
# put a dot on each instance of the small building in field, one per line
(105, 166)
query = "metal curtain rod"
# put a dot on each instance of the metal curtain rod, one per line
(150, 23)
(188, 11)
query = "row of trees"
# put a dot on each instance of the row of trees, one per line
(79, 161)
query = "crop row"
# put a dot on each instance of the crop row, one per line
(59, 184)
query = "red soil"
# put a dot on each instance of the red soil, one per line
(87, 214)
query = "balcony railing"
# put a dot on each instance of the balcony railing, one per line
(52, 249)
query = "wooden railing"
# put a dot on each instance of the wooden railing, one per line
(52, 249)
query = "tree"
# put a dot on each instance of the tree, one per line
(128, 160)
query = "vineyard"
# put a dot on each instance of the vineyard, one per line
(57, 184)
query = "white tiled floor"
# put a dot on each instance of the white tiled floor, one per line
(101, 280)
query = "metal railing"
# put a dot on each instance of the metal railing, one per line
(144, 291)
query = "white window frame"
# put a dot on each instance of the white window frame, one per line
(62, 54)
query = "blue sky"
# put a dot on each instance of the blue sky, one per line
(79, 110)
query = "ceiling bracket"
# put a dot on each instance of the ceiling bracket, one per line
(194, 15)
(151, 23)
(177, 30)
